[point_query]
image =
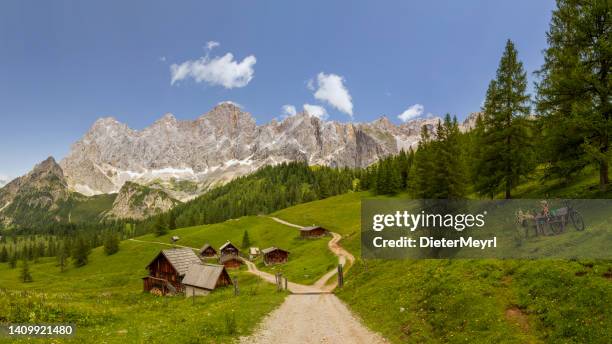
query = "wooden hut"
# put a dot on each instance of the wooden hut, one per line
(253, 252)
(208, 251)
(274, 255)
(167, 269)
(229, 249)
(230, 261)
(201, 279)
(312, 232)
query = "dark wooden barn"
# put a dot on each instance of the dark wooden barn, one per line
(229, 249)
(231, 261)
(274, 255)
(167, 270)
(312, 232)
(208, 251)
(203, 279)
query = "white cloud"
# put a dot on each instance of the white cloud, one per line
(289, 110)
(162, 58)
(210, 45)
(230, 102)
(412, 112)
(223, 70)
(310, 84)
(315, 110)
(331, 89)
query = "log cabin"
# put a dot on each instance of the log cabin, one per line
(167, 269)
(229, 249)
(274, 255)
(207, 251)
(231, 261)
(312, 232)
(203, 279)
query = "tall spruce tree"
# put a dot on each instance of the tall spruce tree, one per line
(419, 185)
(448, 177)
(246, 242)
(80, 252)
(575, 90)
(160, 227)
(506, 143)
(111, 243)
(25, 274)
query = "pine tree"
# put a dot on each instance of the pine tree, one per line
(171, 220)
(507, 151)
(4, 257)
(576, 87)
(13, 260)
(25, 275)
(111, 243)
(62, 257)
(80, 253)
(246, 242)
(449, 173)
(160, 228)
(421, 169)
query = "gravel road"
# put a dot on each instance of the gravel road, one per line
(309, 319)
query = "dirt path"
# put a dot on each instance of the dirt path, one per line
(312, 314)
(309, 319)
(314, 318)
(344, 257)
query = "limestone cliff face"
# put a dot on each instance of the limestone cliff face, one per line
(138, 202)
(221, 145)
(41, 190)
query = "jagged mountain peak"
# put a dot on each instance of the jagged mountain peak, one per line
(222, 144)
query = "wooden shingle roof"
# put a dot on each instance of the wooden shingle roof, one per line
(207, 246)
(180, 258)
(271, 249)
(226, 245)
(204, 276)
(308, 229)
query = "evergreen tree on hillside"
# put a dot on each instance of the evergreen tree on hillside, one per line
(80, 253)
(13, 260)
(111, 243)
(62, 257)
(575, 91)
(246, 242)
(506, 143)
(160, 228)
(25, 275)
(449, 173)
(424, 160)
(171, 220)
(4, 256)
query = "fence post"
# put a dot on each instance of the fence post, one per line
(286, 282)
(340, 276)
(236, 290)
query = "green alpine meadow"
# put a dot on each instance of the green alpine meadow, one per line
(256, 221)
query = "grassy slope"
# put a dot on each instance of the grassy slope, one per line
(308, 259)
(514, 301)
(105, 300)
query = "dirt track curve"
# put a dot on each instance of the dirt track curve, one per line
(312, 314)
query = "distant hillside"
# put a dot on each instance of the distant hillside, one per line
(138, 202)
(42, 197)
(268, 189)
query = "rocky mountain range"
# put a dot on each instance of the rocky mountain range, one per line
(148, 171)
(184, 158)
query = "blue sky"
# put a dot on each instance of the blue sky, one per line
(65, 64)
